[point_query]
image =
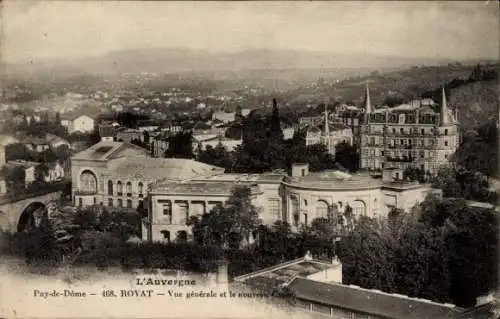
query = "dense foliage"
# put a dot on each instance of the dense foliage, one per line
(180, 145)
(445, 251)
(478, 151)
(462, 183)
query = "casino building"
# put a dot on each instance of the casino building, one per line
(121, 176)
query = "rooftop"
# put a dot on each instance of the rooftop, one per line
(171, 169)
(206, 188)
(336, 180)
(106, 150)
(297, 276)
(245, 178)
(370, 301)
(285, 273)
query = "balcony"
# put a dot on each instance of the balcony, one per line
(404, 159)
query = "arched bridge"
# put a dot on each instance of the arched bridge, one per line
(21, 211)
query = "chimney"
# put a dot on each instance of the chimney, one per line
(300, 169)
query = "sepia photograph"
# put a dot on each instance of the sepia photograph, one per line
(249, 159)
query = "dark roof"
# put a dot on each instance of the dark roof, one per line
(371, 301)
(201, 126)
(107, 131)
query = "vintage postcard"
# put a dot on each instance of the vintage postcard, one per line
(246, 159)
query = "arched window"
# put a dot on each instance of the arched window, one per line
(166, 235)
(295, 210)
(88, 182)
(110, 187)
(128, 189)
(119, 188)
(140, 187)
(321, 209)
(182, 236)
(446, 132)
(358, 208)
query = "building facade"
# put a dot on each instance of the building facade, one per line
(297, 199)
(408, 136)
(329, 134)
(82, 123)
(119, 174)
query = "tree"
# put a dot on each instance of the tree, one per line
(15, 177)
(212, 228)
(414, 174)
(324, 228)
(62, 153)
(275, 132)
(479, 152)
(94, 137)
(47, 156)
(471, 243)
(347, 156)
(245, 215)
(18, 151)
(58, 118)
(420, 261)
(462, 183)
(220, 226)
(217, 156)
(180, 145)
(367, 257)
(41, 170)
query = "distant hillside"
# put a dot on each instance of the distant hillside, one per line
(477, 102)
(161, 60)
(475, 92)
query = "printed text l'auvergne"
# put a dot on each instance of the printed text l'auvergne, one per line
(148, 281)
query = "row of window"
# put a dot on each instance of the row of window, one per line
(406, 142)
(322, 208)
(403, 131)
(402, 153)
(120, 202)
(128, 188)
(402, 119)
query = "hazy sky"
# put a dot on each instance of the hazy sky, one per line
(46, 29)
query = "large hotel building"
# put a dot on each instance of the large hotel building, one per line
(409, 135)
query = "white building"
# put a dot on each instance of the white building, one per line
(81, 124)
(55, 172)
(297, 199)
